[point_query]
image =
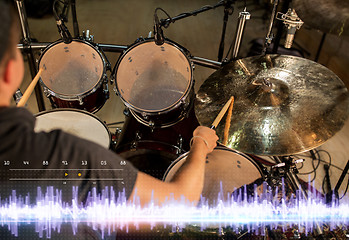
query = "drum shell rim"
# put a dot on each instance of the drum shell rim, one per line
(183, 107)
(77, 97)
(153, 112)
(77, 110)
(260, 170)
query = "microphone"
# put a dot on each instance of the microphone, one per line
(292, 23)
(158, 34)
(64, 32)
(17, 96)
(62, 29)
(291, 31)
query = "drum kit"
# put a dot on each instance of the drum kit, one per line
(283, 104)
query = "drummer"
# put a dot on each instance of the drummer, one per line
(21, 147)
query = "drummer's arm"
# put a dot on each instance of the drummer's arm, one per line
(188, 182)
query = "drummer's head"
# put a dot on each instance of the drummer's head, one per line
(11, 61)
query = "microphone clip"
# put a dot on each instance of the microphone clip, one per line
(158, 33)
(64, 32)
(292, 22)
(290, 19)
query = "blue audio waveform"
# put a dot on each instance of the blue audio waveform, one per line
(107, 211)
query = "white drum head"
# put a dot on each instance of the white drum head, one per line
(71, 69)
(76, 122)
(152, 78)
(225, 166)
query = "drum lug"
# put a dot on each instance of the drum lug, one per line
(140, 39)
(80, 100)
(137, 139)
(47, 93)
(86, 35)
(179, 144)
(126, 112)
(151, 125)
(145, 116)
(114, 88)
(184, 108)
(115, 138)
(105, 87)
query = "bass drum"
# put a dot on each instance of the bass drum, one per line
(74, 75)
(76, 122)
(153, 150)
(155, 82)
(225, 167)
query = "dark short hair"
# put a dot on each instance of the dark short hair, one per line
(8, 31)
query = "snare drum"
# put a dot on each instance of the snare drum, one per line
(224, 166)
(76, 122)
(155, 82)
(74, 75)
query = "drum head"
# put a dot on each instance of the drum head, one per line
(152, 78)
(223, 166)
(71, 69)
(76, 122)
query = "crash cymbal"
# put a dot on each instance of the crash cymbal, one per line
(283, 104)
(330, 16)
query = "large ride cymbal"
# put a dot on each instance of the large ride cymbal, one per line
(330, 16)
(283, 104)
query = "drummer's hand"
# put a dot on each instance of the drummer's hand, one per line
(207, 136)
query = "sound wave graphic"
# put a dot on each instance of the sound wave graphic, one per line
(108, 211)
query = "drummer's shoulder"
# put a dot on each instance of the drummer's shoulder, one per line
(15, 114)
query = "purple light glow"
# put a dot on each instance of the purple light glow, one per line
(107, 212)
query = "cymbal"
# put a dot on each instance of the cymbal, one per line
(330, 16)
(283, 104)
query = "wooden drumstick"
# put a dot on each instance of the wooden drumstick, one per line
(221, 113)
(29, 90)
(227, 123)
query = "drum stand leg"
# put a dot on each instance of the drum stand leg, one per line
(28, 51)
(296, 185)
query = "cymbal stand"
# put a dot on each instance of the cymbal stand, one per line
(243, 16)
(269, 37)
(296, 185)
(28, 51)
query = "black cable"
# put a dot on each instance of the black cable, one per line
(56, 15)
(231, 46)
(341, 169)
(307, 173)
(315, 155)
(165, 22)
(115, 123)
(156, 16)
(346, 189)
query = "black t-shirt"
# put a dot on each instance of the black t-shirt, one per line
(31, 163)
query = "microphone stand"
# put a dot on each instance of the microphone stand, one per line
(269, 36)
(26, 46)
(280, 27)
(166, 22)
(228, 10)
(75, 20)
(340, 181)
